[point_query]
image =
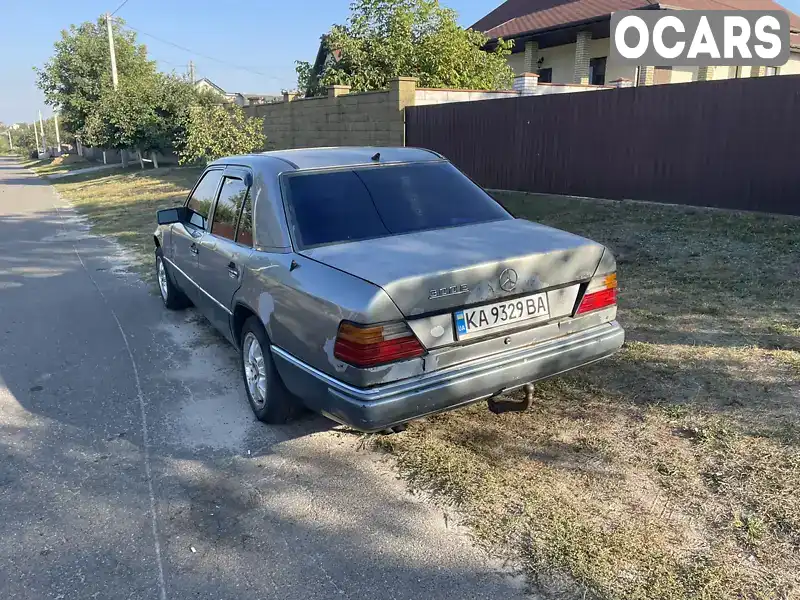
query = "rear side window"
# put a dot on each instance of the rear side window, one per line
(245, 233)
(229, 205)
(374, 202)
(203, 197)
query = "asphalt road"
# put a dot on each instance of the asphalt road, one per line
(131, 465)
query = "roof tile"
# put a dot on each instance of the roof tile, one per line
(516, 17)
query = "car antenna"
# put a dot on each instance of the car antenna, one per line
(376, 156)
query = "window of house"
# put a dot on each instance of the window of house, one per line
(771, 71)
(231, 198)
(203, 197)
(546, 75)
(597, 71)
(734, 72)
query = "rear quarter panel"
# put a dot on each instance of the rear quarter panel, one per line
(302, 309)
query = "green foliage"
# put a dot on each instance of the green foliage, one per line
(24, 140)
(78, 74)
(215, 131)
(384, 39)
(147, 114)
(308, 82)
(150, 111)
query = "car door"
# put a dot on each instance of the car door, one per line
(226, 246)
(186, 236)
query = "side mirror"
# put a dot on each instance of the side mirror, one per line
(168, 216)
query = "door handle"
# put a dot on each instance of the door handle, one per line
(193, 249)
(233, 270)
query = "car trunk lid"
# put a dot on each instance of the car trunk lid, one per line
(440, 270)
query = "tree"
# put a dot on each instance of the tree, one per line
(24, 140)
(78, 74)
(215, 131)
(147, 114)
(384, 39)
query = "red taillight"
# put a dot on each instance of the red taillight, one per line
(371, 345)
(605, 296)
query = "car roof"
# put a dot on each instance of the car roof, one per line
(344, 156)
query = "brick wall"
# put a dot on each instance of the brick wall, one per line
(581, 72)
(340, 118)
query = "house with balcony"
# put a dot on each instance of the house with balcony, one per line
(568, 41)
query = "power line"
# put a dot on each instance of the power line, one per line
(166, 62)
(190, 51)
(120, 6)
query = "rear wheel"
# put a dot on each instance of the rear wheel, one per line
(173, 297)
(268, 397)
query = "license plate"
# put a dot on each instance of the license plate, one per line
(500, 314)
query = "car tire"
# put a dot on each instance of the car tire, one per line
(173, 297)
(270, 400)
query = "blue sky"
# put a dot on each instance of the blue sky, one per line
(264, 35)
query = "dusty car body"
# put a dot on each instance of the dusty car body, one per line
(438, 299)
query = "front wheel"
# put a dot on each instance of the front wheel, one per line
(269, 399)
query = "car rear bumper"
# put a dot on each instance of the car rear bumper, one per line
(380, 407)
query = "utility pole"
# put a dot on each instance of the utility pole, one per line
(10, 143)
(111, 51)
(58, 135)
(36, 133)
(41, 124)
(191, 71)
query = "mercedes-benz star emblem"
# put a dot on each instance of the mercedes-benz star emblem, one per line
(508, 280)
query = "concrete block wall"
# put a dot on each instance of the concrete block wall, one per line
(424, 96)
(368, 118)
(340, 118)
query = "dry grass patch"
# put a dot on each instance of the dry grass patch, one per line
(60, 164)
(123, 205)
(671, 470)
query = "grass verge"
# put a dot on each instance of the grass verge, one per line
(65, 163)
(673, 469)
(123, 205)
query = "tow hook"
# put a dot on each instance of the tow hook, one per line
(499, 407)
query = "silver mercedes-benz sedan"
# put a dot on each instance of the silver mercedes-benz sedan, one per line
(379, 285)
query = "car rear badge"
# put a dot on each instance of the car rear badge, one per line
(453, 290)
(508, 280)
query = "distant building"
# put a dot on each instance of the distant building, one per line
(237, 98)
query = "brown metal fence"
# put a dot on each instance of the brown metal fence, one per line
(729, 144)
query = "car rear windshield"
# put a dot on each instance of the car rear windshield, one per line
(357, 204)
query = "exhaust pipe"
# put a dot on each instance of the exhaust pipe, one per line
(499, 407)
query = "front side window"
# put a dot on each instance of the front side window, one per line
(372, 202)
(229, 205)
(202, 198)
